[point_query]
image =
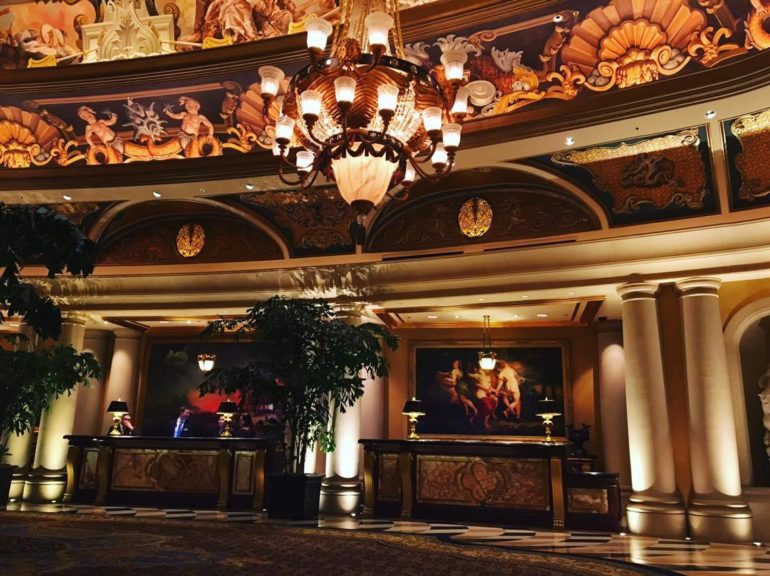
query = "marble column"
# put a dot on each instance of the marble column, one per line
(89, 413)
(48, 478)
(341, 489)
(655, 505)
(716, 511)
(124, 371)
(612, 401)
(20, 445)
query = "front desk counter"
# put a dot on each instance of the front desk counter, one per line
(509, 483)
(162, 471)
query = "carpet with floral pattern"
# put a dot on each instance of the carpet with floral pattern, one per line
(40, 544)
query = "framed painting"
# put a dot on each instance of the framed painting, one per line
(460, 398)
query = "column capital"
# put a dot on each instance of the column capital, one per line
(127, 334)
(702, 286)
(73, 318)
(637, 291)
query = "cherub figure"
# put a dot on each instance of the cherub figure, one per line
(100, 137)
(192, 121)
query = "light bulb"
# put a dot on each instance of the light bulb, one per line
(345, 89)
(318, 32)
(460, 105)
(271, 80)
(305, 161)
(440, 157)
(409, 175)
(487, 362)
(310, 102)
(284, 129)
(387, 97)
(431, 118)
(454, 61)
(451, 136)
(378, 25)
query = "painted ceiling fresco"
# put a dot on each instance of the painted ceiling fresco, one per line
(748, 150)
(36, 29)
(644, 179)
(514, 61)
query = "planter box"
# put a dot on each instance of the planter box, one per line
(293, 497)
(6, 474)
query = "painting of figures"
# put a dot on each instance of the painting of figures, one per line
(461, 398)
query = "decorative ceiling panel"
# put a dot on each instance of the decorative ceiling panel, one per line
(644, 179)
(518, 213)
(748, 150)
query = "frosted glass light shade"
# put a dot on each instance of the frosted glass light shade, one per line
(454, 61)
(387, 97)
(460, 105)
(378, 25)
(271, 79)
(284, 129)
(310, 102)
(440, 157)
(345, 89)
(487, 363)
(318, 32)
(451, 135)
(305, 160)
(431, 118)
(363, 178)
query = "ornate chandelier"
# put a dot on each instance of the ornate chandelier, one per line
(365, 117)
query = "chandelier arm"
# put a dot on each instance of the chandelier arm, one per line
(285, 180)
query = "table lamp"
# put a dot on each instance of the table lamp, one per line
(547, 411)
(226, 409)
(118, 408)
(413, 409)
(206, 362)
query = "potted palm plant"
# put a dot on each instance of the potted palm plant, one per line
(29, 379)
(309, 364)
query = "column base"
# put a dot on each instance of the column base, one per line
(340, 495)
(44, 486)
(662, 516)
(720, 520)
(18, 480)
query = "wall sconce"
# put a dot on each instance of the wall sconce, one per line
(206, 362)
(413, 409)
(226, 409)
(548, 412)
(118, 408)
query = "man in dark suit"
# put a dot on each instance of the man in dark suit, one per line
(180, 428)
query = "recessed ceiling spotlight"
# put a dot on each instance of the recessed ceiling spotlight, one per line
(189, 321)
(711, 114)
(570, 293)
(569, 140)
(542, 315)
(515, 315)
(432, 316)
(481, 299)
(203, 190)
(249, 186)
(164, 321)
(457, 315)
(67, 197)
(525, 296)
(157, 194)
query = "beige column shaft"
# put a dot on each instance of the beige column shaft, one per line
(20, 445)
(612, 401)
(47, 480)
(124, 371)
(716, 511)
(88, 416)
(655, 506)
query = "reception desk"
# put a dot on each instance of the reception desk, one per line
(511, 483)
(162, 471)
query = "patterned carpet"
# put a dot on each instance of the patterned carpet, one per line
(34, 543)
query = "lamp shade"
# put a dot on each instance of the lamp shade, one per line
(118, 407)
(413, 407)
(547, 406)
(227, 407)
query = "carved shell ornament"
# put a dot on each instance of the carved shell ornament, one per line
(628, 43)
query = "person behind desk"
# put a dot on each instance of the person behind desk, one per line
(245, 427)
(124, 428)
(180, 428)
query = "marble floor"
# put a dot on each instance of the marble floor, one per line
(682, 556)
